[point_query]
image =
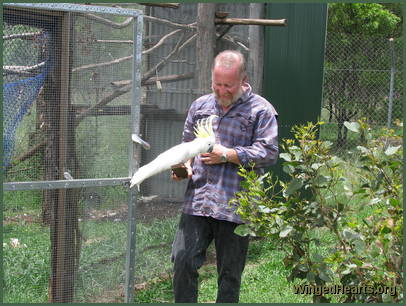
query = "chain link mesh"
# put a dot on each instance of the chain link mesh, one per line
(358, 71)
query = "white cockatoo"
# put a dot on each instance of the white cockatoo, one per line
(180, 153)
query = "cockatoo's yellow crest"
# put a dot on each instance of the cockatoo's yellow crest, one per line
(204, 127)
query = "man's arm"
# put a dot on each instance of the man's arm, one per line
(263, 152)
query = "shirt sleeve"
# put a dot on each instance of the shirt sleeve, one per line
(188, 133)
(264, 149)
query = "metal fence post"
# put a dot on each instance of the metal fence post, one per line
(392, 80)
(133, 156)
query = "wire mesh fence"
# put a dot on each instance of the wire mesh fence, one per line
(362, 79)
(65, 121)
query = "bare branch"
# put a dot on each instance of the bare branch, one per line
(103, 102)
(191, 26)
(31, 152)
(179, 46)
(18, 69)
(146, 18)
(160, 42)
(125, 86)
(119, 60)
(110, 23)
(153, 80)
(22, 35)
(235, 41)
(104, 41)
(90, 66)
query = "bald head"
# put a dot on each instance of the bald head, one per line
(230, 59)
(228, 77)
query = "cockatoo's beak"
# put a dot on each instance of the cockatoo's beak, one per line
(210, 148)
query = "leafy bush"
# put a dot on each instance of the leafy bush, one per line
(358, 201)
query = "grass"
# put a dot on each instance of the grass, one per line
(26, 267)
(102, 258)
(264, 281)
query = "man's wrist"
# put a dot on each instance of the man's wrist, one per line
(224, 158)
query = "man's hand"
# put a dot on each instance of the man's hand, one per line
(179, 167)
(214, 157)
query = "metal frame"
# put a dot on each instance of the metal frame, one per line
(78, 8)
(135, 117)
(65, 184)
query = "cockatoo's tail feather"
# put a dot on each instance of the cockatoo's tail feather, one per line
(180, 153)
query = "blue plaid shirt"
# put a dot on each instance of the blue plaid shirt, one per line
(249, 127)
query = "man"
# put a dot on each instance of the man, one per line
(246, 133)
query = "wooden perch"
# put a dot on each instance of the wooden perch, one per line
(248, 21)
(167, 5)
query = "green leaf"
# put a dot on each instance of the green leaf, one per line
(316, 166)
(285, 231)
(352, 126)
(324, 276)
(278, 220)
(289, 169)
(321, 180)
(346, 271)
(294, 185)
(303, 267)
(394, 202)
(242, 230)
(359, 245)
(264, 209)
(285, 156)
(362, 149)
(391, 150)
(385, 230)
(349, 234)
(318, 258)
(311, 277)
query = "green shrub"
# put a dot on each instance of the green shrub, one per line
(358, 201)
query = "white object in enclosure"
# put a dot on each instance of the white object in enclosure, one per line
(180, 153)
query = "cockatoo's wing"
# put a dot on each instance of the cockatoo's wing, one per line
(175, 155)
(179, 153)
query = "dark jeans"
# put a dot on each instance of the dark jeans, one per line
(189, 253)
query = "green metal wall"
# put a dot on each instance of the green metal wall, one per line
(294, 57)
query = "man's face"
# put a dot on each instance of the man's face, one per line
(226, 84)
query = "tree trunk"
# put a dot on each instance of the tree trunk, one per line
(256, 45)
(205, 44)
